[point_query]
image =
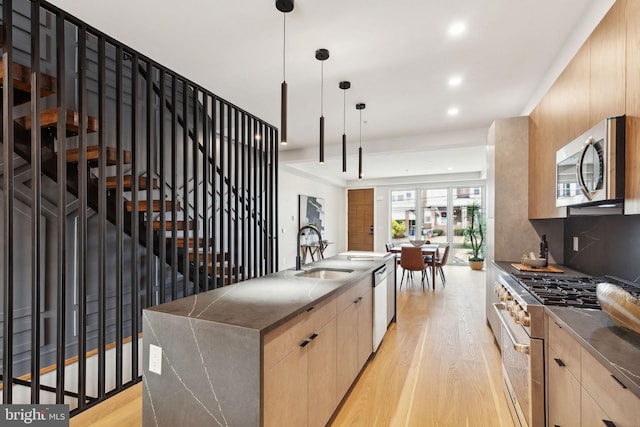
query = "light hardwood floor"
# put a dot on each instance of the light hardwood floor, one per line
(438, 366)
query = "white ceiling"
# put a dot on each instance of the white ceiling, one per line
(398, 56)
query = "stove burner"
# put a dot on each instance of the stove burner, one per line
(569, 291)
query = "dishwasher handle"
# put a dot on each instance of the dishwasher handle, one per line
(379, 275)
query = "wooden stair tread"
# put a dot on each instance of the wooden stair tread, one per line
(93, 155)
(127, 183)
(219, 257)
(180, 225)
(22, 79)
(49, 117)
(156, 204)
(180, 242)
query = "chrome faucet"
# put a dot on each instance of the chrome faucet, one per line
(306, 227)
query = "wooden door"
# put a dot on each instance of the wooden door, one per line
(360, 222)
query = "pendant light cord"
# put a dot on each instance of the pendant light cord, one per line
(360, 128)
(344, 111)
(322, 88)
(284, 47)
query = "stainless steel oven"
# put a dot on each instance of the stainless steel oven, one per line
(522, 343)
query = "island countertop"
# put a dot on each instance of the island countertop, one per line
(264, 303)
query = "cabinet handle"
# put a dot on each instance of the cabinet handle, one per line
(618, 381)
(310, 308)
(313, 337)
(609, 423)
(560, 362)
(304, 343)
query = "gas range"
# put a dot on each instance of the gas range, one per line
(569, 291)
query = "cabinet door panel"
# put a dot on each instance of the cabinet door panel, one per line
(322, 375)
(365, 328)
(610, 395)
(285, 391)
(347, 349)
(564, 395)
(591, 414)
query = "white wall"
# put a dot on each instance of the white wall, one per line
(292, 183)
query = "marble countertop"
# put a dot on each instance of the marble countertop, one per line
(266, 302)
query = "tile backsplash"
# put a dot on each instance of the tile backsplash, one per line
(607, 245)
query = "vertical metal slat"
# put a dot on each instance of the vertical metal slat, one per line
(36, 185)
(119, 216)
(82, 203)
(61, 306)
(102, 218)
(196, 214)
(162, 241)
(135, 222)
(205, 189)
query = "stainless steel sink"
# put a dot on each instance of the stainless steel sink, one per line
(325, 273)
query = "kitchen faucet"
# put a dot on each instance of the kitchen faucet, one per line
(306, 227)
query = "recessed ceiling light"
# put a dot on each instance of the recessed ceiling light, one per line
(449, 168)
(453, 111)
(457, 28)
(455, 81)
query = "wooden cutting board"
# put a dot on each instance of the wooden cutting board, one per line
(548, 269)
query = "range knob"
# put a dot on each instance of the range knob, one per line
(505, 296)
(523, 318)
(511, 304)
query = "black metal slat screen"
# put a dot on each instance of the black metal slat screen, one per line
(124, 185)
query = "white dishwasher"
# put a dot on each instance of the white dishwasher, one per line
(379, 306)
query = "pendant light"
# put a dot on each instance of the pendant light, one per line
(344, 86)
(360, 107)
(284, 6)
(322, 55)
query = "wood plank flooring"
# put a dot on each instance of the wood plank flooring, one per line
(438, 366)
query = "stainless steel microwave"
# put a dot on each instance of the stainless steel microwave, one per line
(590, 169)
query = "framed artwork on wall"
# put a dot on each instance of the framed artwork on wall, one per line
(311, 211)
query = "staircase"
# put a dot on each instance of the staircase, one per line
(144, 187)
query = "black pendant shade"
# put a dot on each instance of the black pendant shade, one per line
(344, 86)
(322, 55)
(284, 6)
(360, 107)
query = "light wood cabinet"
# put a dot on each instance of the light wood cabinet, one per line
(300, 369)
(632, 154)
(608, 50)
(365, 327)
(355, 336)
(581, 391)
(590, 413)
(620, 405)
(322, 376)
(564, 394)
(596, 84)
(286, 391)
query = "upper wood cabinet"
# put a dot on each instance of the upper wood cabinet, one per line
(632, 155)
(608, 50)
(591, 88)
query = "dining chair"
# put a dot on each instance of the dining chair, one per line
(441, 261)
(389, 246)
(411, 260)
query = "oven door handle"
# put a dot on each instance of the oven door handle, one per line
(519, 347)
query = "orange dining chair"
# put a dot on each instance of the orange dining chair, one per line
(411, 260)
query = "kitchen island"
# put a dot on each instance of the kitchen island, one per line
(278, 350)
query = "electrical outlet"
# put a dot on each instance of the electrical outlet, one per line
(575, 244)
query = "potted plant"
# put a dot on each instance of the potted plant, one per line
(474, 236)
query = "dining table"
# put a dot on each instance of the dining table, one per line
(429, 249)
